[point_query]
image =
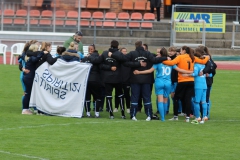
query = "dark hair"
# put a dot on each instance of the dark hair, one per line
(205, 50)
(78, 33)
(163, 52)
(138, 44)
(177, 50)
(199, 52)
(93, 45)
(146, 46)
(26, 47)
(60, 50)
(189, 52)
(114, 44)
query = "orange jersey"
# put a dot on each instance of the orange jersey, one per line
(183, 61)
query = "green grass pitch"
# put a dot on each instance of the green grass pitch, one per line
(24, 137)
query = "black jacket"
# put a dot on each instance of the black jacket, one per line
(107, 75)
(132, 60)
(31, 59)
(210, 67)
(94, 74)
(125, 74)
(47, 58)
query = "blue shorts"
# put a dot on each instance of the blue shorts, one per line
(162, 87)
(200, 95)
(173, 87)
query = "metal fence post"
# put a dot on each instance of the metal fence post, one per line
(79, 15)
(172, 17)
(94, 36)
(2, 16)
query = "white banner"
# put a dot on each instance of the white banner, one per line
(60, 89)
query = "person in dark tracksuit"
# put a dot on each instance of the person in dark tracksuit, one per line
(30, 64)
(111, 77)
(94, 83)
(155, 4)
(125, 75)
(140, 60)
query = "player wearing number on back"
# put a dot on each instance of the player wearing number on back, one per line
(185, 86)
(162, 82)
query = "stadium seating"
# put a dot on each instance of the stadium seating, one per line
(92, 4)
(57, 4)
(85, 19)
(124, 16)
(34, 17)
(46, 17)
(148, 17)
(97, 16)
(104, 4)
(39, 3)
(21, 13)
(8, 15)
(83, 3)
(71, 18)
(127, 5)
(137, 17)
(140, 5)
(109, 16)
(60, 17)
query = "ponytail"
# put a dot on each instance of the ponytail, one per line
(163, 52)
(189, 51)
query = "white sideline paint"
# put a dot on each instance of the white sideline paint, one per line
(97, 122)
(63, 124)
(22, 155)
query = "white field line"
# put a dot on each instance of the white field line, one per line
(23, 155)
(63, 124)
(110, 121)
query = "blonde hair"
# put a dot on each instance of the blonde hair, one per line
(33, 48)
(45, 45)
(72, 46)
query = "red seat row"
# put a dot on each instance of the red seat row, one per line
(136, 5)
(123, 19)
(93, 4)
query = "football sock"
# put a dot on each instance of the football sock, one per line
(161, 111)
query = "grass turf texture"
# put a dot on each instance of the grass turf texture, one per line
(50, 137)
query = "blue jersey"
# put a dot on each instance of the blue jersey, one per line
(199, 81)
(163, 71)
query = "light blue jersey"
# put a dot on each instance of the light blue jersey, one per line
(200, 87)
(199, 81)
(163, 85)
(163, 79)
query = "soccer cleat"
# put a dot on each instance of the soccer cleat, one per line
(27, 112)
(123, 117)
(148, 119)
(128, 110)
(111, 117)
(174, 119)
(134, 118)
(201, 122)
(181, 114)
(195, 121)
(198, 119)
(205, 118)
(155, 117)
(89, 116)
(97, 116)
(187, 120)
